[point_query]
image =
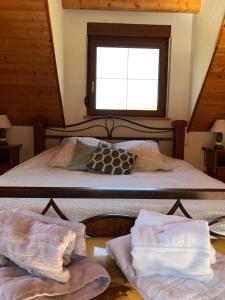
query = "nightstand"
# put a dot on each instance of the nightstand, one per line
(9, 157)
(214, 162)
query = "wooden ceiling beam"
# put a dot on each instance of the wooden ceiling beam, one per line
(185, 6)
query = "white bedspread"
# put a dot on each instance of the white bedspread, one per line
(35, 172)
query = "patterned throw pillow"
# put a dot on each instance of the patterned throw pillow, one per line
(110, 160)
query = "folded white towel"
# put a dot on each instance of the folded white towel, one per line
(173, 245)
(151, 218)
(168, 287)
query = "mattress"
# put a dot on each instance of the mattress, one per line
(36, 172)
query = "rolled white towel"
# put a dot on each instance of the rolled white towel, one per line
(42, 249)
(78, 228)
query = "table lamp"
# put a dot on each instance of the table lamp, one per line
(4, 123)
(219, 128)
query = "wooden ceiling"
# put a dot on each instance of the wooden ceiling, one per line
(28, 76)
(186, 6)
(211, 101)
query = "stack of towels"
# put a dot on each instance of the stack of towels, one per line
(171, 245)
(45, 258)
(170, 257)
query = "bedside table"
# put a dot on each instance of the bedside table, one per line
(214, 162)
(9, 157)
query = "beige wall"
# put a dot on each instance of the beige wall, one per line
(206, 26)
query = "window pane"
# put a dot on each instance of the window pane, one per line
(127, 78)
(142, 94)
(143, 63)
(111, 62)
(111, 93)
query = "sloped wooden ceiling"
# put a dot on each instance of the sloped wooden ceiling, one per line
(28, 76)
(211, 102)
(191, 6)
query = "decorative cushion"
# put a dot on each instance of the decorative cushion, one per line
(82, 154)
(108, 159)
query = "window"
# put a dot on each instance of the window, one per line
(127, 69)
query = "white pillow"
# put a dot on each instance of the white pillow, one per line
(65, 155)
(149, 157)
(151, 145)
(86, 140)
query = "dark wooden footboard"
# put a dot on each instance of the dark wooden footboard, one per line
(114, 225)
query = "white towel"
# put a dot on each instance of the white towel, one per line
(41, 249)
(78, 228)
(44, 248)
(173, 245)
(168, 287)
(88, 279)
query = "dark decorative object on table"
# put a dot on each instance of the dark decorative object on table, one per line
(219, 128)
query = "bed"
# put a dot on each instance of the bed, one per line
(105, 194)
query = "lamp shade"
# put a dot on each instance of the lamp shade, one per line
(218, 126)
(4, 122)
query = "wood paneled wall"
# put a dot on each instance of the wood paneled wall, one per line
(211, 102)
(187, 6)
(28, 76)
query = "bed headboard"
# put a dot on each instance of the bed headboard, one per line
(111, 126)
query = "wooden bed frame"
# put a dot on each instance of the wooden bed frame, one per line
(111, 125)
(105, 225)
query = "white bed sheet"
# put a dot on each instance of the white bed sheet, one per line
(35, 172)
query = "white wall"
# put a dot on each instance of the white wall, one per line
(206, 26)
(57, 24)
(22, 135)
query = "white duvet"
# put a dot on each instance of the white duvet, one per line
(35, 172)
